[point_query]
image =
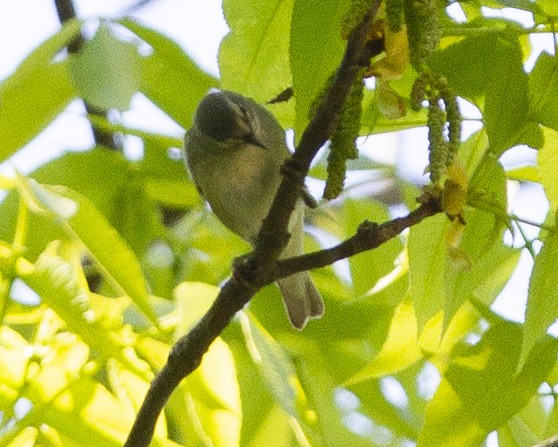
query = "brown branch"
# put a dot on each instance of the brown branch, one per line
(187, 353)
(550, 442)
(369, 236)
(273, 236)
(260, 267)
(66, 11)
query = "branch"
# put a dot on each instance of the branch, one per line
(274, 228)
(66, 11)
(368, 236)
(550, 442)
(259, 267)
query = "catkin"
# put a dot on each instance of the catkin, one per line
(437, 147)
(343, 141)
(354, 16)
(423, 30)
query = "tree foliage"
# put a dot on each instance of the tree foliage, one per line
(105, 260)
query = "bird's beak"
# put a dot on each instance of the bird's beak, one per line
(251, 139)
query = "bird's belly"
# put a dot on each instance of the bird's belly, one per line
(246, 187)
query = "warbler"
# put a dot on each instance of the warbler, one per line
(234, 152)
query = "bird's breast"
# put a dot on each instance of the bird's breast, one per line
(242, 186)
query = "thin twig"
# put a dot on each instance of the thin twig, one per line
(66, 11)
(368, 236)
(550, 442)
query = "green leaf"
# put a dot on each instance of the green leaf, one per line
(158, 139)
(45, 53)
(30, 101)
(130, 389)
(254, 56)
(14, 361)
(427, 266)
(106, 71)
(400, 350)
(325, 420)
(543, 84)
(368, 267)
(58, 284)
(26, 437)
(276, 426)
(213, 386)
(531, 135)
(374, 122)
(437, 282)
(316, 48)
(490, 68)
(136, 218)
(506, 102)
(82, 220)
(548, 7)
(516, 433)
(542, 302)
(275, 367)
(547, 160)
(99, 174)
(487, 189)
(526, 5)
(169, 76)
(552, 422)
(214, 389)
(492, 263)
(86, 414)
(193, 300)
(480, 390)
(36, 92)
(166, 179)
(66, 359)
(404, 347)
(467, 65)
(524, 174)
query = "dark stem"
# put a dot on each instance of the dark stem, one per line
(66, 11)
(369, 236)
(550, 442)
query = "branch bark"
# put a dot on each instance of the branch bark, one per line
(550, 442)
(368, 236)
(261, 267)
(66, 11)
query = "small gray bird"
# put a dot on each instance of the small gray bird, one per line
(234, 152)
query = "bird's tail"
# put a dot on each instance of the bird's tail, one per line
(302, 299)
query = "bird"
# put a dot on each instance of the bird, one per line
(234, 151)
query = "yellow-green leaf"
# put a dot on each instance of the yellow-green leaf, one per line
(542, 302)
(547, 159)
(82, 220)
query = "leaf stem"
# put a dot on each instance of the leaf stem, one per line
(528, 242)
(485, 30)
